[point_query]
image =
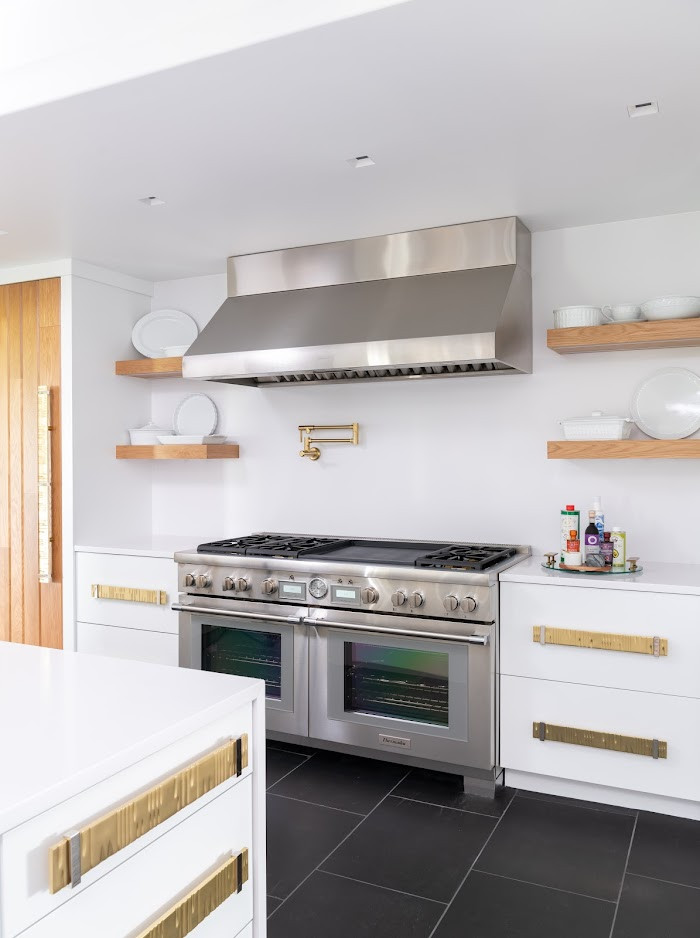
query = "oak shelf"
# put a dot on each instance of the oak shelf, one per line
(623, 449)
(150, 367)
(666, 333)
(185, 451)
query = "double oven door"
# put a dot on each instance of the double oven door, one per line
(356, 680)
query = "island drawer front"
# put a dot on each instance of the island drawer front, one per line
(138, 892)
(609, 617)
(134, 644)
(24, 851)
(675, 721)
(148, 585)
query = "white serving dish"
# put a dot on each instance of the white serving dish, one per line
(598, 426)
(196, 415)
(567, 317)
(177, 439)
(666, 406)
(672, 307)
(161, 329)
(175, 351)
(146, 435)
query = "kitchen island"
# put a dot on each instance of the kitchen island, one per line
(131, 799)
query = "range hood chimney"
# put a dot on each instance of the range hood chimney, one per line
(437, 302)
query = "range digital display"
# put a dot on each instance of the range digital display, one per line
(292, 590)
(346, 595)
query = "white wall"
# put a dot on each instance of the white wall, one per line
(461, 458)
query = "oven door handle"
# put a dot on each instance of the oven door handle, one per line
(269, 617)
(404, 633)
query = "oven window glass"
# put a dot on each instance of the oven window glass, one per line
(245, 653)
(397, 682)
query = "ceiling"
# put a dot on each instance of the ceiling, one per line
(469, 109)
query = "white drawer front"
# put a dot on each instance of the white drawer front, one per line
(118, 570)
(137, 892)
(116, 642)
(671, 617)
(674, 720)
(24, 851)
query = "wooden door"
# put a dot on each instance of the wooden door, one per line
(30, 356)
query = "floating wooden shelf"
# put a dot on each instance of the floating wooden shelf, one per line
(150, 367)
(623, 449)
(186, 451)
(666, 333)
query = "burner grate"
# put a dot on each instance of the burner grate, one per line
(467, 557)
(266, 545)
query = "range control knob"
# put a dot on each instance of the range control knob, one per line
(369, 595)
(269, 586)
(228, 583)
(469, 604)
(189, 579)
(450, 603)
(416, 599)
(202, 581)
(240, 584)
(398, 598)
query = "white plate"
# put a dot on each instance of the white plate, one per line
(176, 439)
(666, 406)
(155, 331)
(672, 307)
(195, 416)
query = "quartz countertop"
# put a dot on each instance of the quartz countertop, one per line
(150, 546)
(656, 577)
(71, 720)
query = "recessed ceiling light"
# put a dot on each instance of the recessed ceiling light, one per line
(643, 109)
(360, 161)
(152, 201)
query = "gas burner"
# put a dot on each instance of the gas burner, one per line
(465, 557)
(267, 545)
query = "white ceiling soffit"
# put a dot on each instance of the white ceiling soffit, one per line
(51, 50)
(468, 109)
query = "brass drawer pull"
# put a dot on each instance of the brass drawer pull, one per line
(82, 850)
(607, 641)
(637, 745)
(129, 594)
(196, 905)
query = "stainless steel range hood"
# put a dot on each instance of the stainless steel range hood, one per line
(436, 302)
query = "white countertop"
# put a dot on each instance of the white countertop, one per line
(655, 578)
(164, 546)
(72, 720)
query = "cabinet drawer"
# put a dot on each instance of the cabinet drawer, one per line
(617, 619)
(25, 851)
(116, 642)
(148, 585)
(140, 891)
(673, 720)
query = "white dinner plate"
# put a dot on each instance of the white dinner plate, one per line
(666, 406)
(196, 415)
(156, 331)
(177, 439)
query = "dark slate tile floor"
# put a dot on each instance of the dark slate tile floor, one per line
(374, 850)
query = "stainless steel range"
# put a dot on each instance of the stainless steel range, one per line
(388, 649)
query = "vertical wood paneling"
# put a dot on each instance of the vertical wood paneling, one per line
(51, 594)
(16, 468)
(30, 382)
(4, 466)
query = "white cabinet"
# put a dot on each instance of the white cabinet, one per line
(154, 647)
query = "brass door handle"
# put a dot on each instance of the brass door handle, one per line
(190, 911)
(606, 641)
(82, 850)
(44, 481)
(129, 594)
(615, 742)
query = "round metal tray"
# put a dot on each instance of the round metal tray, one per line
(618, 572)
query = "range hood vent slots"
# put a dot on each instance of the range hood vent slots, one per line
(439, 302)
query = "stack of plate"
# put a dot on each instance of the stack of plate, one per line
(195, 421)
(666, 406)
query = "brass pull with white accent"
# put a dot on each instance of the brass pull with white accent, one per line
(606, 641)
(83, 849)
(129, 594)
(190, 911)
(615, 742)
(44, 429)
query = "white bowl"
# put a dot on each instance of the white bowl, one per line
(146, 436)
(175, 351)
(672, 307)
(567, 317)
(181, 439)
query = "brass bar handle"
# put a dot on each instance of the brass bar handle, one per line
(606, 641)
(129, 594)
(190, 911)
(615, 742)
(84, 849)
(44, 481)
